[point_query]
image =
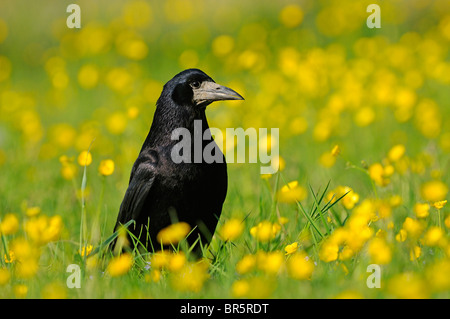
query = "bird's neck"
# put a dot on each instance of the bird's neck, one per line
(167, 120)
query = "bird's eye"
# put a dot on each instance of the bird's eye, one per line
(195, 84)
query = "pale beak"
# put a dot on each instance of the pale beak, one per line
(210, 91)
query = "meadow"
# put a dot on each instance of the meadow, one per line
(364, 139)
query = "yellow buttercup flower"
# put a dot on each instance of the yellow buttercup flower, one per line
(85, 158)
(5, 276)
(173, 234)
(265, 231)
(380, 252)
(300, 266)
(120, 265)
(232, 229)
(434, 236)
(434, 191)
(292, 248)
(396, 152)
(291, 193)
(422, 210)
(86, 250)
(439, 204)
(246, 264)
(9, 224)
(106, 167)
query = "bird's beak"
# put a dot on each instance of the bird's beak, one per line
(210, 91)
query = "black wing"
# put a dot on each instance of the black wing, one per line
(141, 180)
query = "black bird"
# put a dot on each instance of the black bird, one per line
(162, 190)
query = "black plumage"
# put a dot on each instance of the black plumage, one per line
(162, 191)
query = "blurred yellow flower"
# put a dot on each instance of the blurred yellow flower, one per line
(20, 290)
(232, 229)
(106, 167)
(434, 191)
(437, 275)
(265, 231)
(88, 76)
(415, 253)
(348, 201)
(269, 262)
(137, 14)
(408, 286)
(378, 174)
(434, 236)
(379, 251)
(300, 266)
(447, 221)
(240, 288)
(291, 248)
(246, 264)
(349, 294)
(120, 265)
(401, 236)
(116, 123)
(85, 158)
(291, 193)
(173, 234)
(396, 152)
(43, 229)
(5, 276)
(329, 251)
(176, 261)
(336, 150)
(9, 224)
(160, 259)
(291, 16)
(54, 291)
(413, 227)
(191, 277)
(222, 45)
(32, 211)
(422, 210)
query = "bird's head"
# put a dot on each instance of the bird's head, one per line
(195, 88)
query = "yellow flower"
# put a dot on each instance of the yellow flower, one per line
(191, 277)
(43, 229)
(155, 276)
(240, 288)
(222, 45)
(379, 174)
(329, 251)
(173, 234)
(232, 229)
(120, 265)
(246, 264)
(437, 275)
(32, 211)
(88, 76)
(291, 16)
(292, 248)
(9, 224)
(408, 286)
(396, 152)
(160, 259)
(336, 150)
(300, 266)
(434, 191)
(379, 251)
(106, 167)
(54, 291)
(401, 236)
(447, 221)
(85, 250)
(270, 262)
(422, 210)
(177, 261)
(11, 258)
(413, 227)
(20, 291)
(434, 236)
(85, 158)
(291, 193)
(415, 253)
(349, 201)
(265, 231)
(4, 276)
(439, 204)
